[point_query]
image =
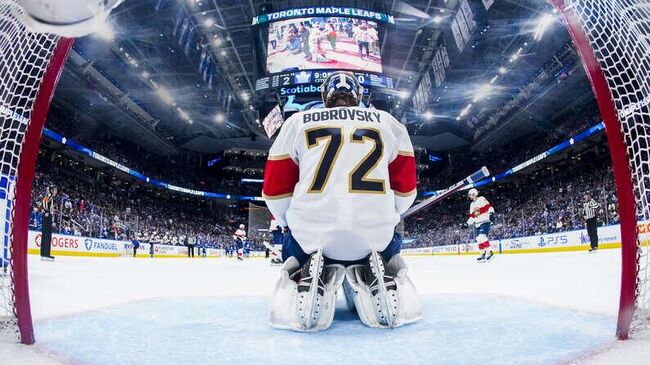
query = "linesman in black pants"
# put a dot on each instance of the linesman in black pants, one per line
(590, 212)
(191, 243)
(46, 233)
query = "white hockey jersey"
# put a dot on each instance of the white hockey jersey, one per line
(239, 233)
(479, 211)
(339, 178)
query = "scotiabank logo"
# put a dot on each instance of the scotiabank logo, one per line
(302, 89)
(61, 242)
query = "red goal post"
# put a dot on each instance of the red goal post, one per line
(611, 37)
(30, 67)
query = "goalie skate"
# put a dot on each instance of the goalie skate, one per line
(305, 298)
(383, 295)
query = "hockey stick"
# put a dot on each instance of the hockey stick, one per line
(277, 252)
(478, 175)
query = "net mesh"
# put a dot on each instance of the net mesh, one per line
(259, 221)
(24, 57)
(619, 34)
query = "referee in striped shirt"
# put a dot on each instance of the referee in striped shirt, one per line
(589, 208)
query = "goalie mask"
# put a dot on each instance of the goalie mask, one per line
(341, 85)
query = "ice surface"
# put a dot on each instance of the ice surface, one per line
(457, 329)
(555, 308)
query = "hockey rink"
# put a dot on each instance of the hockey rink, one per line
(551, 308)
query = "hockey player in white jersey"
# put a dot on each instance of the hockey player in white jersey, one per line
(339, 178)
(480, 217)
(240, 241)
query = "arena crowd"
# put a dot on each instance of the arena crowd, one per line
(94, 202)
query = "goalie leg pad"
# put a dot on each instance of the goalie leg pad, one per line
(383, 295)
(305, 299)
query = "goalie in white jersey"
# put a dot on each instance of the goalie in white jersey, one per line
(339, 178)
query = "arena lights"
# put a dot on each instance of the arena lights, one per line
(183, 114)
(220, 118)
(404, 94)
(502, 70)
(483, 91)
(208, 22)
(105, 31)
(542, 25)
(437, 19)
(428, 115)
(466, 110)
(145, 74)
(165, 95)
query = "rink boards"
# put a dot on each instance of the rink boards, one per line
(578, 240)
(609, 237)
(65, 245)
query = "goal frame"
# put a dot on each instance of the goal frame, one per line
(603, 95)
(23, 192)
(620, 166)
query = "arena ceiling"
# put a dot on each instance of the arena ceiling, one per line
(148, 87)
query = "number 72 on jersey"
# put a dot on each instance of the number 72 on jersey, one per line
(333, 139)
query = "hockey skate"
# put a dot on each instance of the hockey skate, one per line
(593, 250)
(383, 295)
(489, 257)
(305, 298)
(481, 259)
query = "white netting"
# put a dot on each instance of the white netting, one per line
(24, 58)
(259, 221)
(619, 33)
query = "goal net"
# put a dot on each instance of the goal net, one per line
(24, 61)
(612, 37)
(259, 222)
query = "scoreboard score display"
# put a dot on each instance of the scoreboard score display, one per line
(308, 81)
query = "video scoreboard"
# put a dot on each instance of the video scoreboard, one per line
(304, 81)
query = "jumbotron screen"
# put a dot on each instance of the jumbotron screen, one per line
(323, 43)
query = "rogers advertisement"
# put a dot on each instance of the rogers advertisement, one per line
(78, 244)
(87, 246)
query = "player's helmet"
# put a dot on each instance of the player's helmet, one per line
(341, 85)
(472, 192)
(241, 226)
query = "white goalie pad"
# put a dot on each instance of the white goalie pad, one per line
(379, 305)
(288, 306)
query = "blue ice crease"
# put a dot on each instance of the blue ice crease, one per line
(456, 330)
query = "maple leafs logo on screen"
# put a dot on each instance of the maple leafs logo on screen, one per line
(303, 77)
